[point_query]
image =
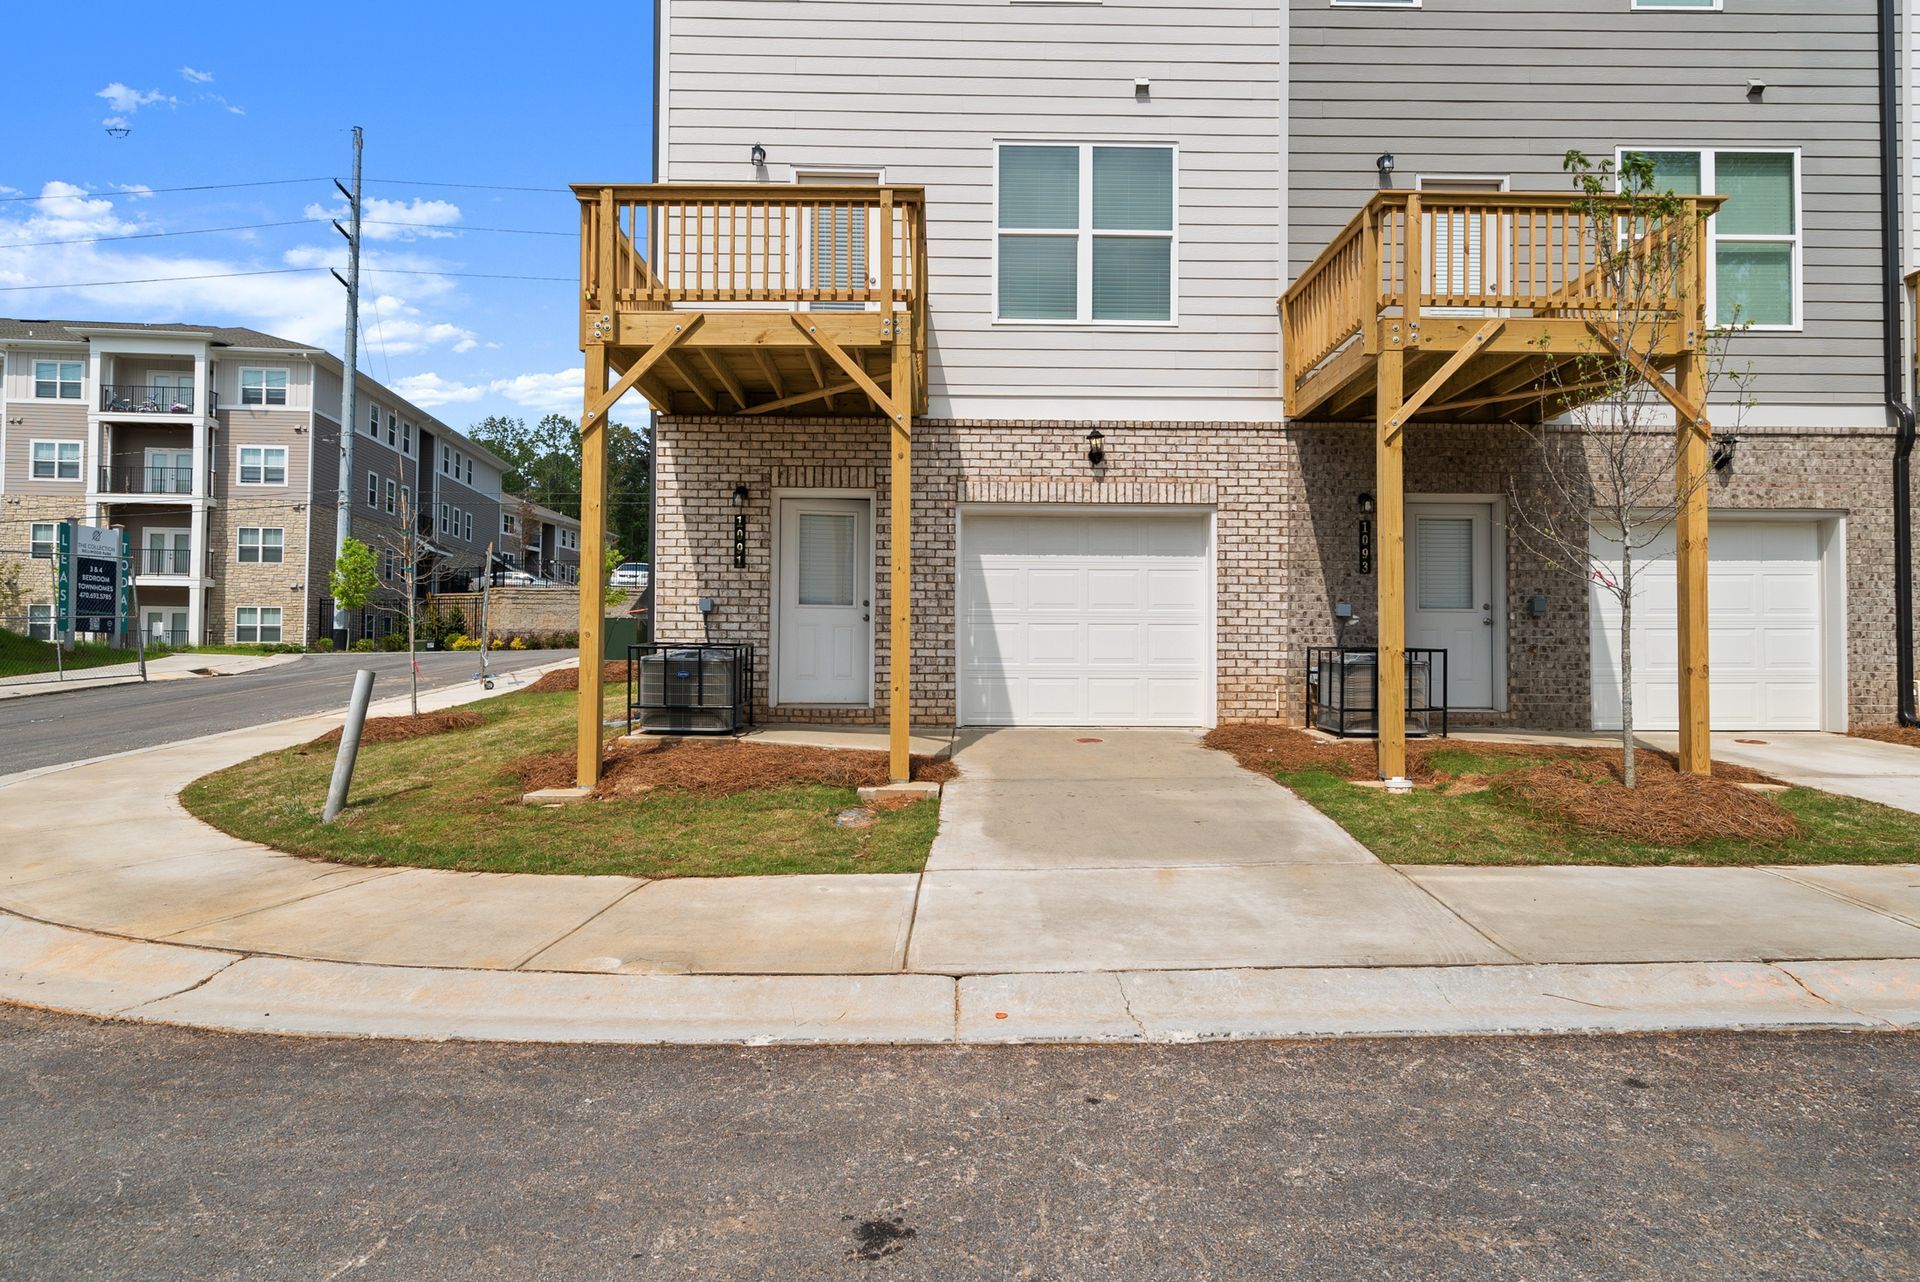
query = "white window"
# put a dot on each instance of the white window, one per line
(506, 522)
(466, 532)
(366, 624)
(468, 478)
(446, 459)
(386, 563)
(1753, 245)
(373, 421)
(406, 502)
(1085, 233)
(393, 429)
(392, 496)
(40, 622)
(263, 387)
(256, 623)
(373, 490)
(262, 544)
(41, 540)
(56, 460)
(446, 518)
(58, 380)
(263, 465)
(406, 439)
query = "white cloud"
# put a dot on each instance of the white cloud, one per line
(136, 190)
(125, 100)
(197, 77)
(430, 391)
(400, 220)
(560, 392)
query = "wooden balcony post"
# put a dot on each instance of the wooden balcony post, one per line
(1416, 266)
(886, 257)
(593, 570)
(900, 559)
(1690, 523)
(1390, 564)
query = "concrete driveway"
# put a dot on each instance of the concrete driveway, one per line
(1884, 772)
(1063, 799)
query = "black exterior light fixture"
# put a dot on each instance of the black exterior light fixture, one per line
(1722, 454)
(1365, 504)
(739, 527)
(758, 155)
(1096, 448)
(1384, 163)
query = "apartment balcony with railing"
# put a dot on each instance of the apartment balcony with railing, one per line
(1502, 295)
(176, 399)
(752, 299)
(149, 478)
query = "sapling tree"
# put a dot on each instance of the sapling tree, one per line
(1608, 480)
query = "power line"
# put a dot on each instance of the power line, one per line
(423, 271)
(412, 182)
(162, 280)
(135, 189)
(510, 231)
(290, 222)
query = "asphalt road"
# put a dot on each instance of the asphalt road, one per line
(134, 1152)
(48, 729)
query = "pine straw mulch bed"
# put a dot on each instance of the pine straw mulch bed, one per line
(1578, 786)
(722, 767)
(394, 729)
(567, 680)
(1905, 736)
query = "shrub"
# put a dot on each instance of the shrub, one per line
(321, 645)
(461, 641)
(518, 643)
(393, 641)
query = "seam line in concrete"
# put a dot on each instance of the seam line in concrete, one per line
(1126, 1004)
(583, 923)
(1457, 915)
(198, 983)
(1786, 874)
(1824, 1000)
(376, 875)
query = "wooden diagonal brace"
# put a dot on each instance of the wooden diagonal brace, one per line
(1467, 352)
(1691, 415)
(862, 379)
(636, 371)
(802, 398)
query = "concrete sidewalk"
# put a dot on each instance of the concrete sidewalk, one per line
(172, 667)
(116, 902)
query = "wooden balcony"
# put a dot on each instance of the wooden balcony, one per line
(1501, 291)
(778, 299)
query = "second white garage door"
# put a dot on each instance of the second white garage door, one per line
(1767, 629)
(1085, 618)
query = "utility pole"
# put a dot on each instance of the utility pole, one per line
(343, 501)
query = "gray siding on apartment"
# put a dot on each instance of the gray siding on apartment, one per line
(1506, 87)
(29, 421)
(926, 89)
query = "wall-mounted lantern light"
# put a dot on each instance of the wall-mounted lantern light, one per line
(759, 155)
(1096, 448)
(739, 496)
(1722, 455)
(1384, 163)
(1366, 503)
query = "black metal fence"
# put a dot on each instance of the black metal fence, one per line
(1343, 691)
(145, 478)
(157, 398)
(697, 687)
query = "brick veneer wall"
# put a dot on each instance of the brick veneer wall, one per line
(514, 611)
(1285, 499)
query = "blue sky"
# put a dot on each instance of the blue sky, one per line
(497, 95)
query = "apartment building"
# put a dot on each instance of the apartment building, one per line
(538, 540)
(1049, 355)
(220, 450)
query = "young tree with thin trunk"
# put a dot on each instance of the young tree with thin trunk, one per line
(1609, 442)
(409, 549)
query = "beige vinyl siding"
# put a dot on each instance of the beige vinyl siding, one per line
(925, 90)
(300, 392)
(254, 427)
(1506, 87)
(29, 421)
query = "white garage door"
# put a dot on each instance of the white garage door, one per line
(1766, 630)
(1084, 619)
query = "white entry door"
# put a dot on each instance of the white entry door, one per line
(824, 627)
(1085, 619)
(1766, 629)
(1451, 594)
(166, 627)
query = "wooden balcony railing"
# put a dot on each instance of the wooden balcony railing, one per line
(1497, 253)
(668, 245)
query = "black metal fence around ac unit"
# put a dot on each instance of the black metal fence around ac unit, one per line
(693, 687)
(1343, 691)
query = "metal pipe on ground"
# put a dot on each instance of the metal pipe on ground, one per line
(349, 745)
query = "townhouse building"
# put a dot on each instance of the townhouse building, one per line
(219, 450)
(538, 540)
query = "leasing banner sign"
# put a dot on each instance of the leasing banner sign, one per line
(93, 579)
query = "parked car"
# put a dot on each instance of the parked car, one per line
(630, 574)
(515, 579)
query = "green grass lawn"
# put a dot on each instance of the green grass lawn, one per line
(1434, 827)
(22, 655)
(452, 801)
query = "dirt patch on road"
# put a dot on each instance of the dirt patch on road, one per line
(721, 767)
(394, 729)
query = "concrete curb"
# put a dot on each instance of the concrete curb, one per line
(76, 972)
(25, 689)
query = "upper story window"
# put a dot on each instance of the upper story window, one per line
(56, 460)
(393, 429)
(262, 544)
(1753, 245)
(263, 387)
(1085, 233)
(446, 459)
(468, 478)
(506, 523)
(406, 438)
(263, 465)
(373, 421)
(58, 380)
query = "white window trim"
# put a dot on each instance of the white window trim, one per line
(33, 378)
(259, 624)
(285, 390)
(52, 541)
(260, 545)
(466, 533)
(1709, 159)
(1085, 235)
(373, 491)
(239, 471)
(79, 462)
(406, 439)
(392, 496)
